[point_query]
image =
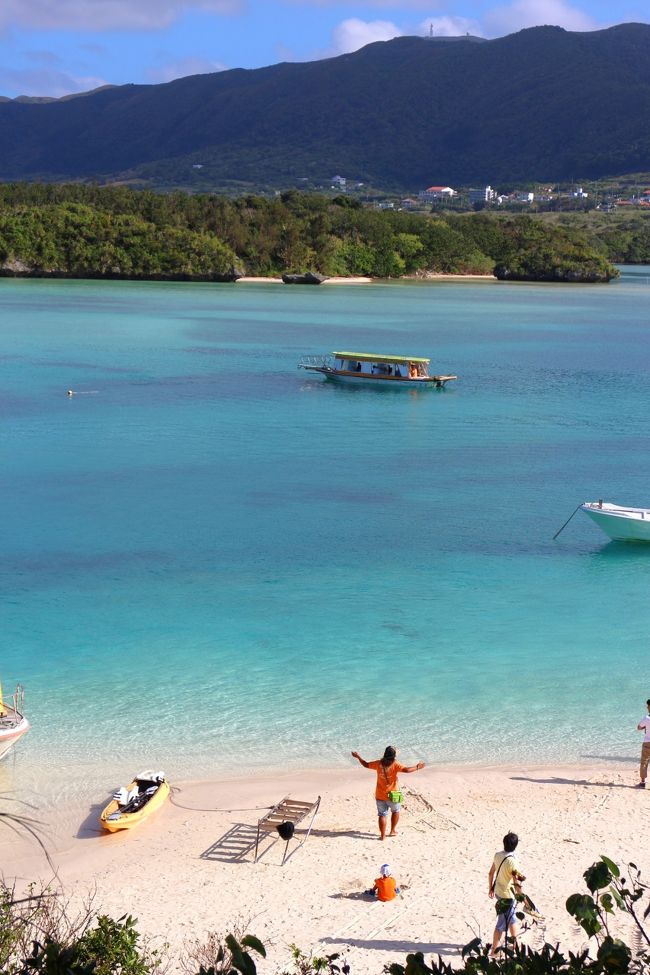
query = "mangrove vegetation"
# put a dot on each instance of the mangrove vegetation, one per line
(88, 231)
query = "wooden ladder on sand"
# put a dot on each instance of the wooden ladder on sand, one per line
(283, 819)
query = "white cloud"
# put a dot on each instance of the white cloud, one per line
(106, 14)
(379, 4)
(449, 27)
(352, 34)
(55, 84)
(534, 13)
(403, 4)
(183, 68)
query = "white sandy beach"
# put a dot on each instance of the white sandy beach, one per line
(356, 280)
(441, 276)
(249, 279)
(190, 869)
(256, 279)
(430, 276)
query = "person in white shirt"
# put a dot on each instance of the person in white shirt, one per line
(644, 725)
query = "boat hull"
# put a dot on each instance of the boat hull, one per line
(9, 736)
(621, 524)
(359, 379)
(129, 820)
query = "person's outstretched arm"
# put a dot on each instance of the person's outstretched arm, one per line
(359, 759)
(413, 768)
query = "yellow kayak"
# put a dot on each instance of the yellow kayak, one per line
(135, 802)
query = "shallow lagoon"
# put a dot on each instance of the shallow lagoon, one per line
(213, 561)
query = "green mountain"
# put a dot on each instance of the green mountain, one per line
(542, 104)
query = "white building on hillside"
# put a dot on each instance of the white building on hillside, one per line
(435, 193)
(484, 195)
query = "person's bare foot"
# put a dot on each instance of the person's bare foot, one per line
(392, 834)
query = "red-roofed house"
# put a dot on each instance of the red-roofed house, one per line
(433, 193)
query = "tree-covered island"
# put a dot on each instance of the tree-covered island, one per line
(82, 231)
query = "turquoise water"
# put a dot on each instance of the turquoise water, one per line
(214, 561)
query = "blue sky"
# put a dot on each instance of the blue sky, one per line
(57, 47)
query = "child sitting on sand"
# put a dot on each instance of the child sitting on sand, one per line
(385, 887)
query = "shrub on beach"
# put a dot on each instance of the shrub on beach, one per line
(311, 964)
(111, 946)
(35, 918)
(218, 954)
(40, 933)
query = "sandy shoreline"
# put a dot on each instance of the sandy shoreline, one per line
(181, 873)
(441, 276)
(365, 280)
(248, 279)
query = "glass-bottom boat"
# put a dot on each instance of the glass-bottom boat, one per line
(372, 368)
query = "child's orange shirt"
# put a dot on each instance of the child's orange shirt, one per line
(386, 888)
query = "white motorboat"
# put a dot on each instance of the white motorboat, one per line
(375, 370)
(621, 524)
(13, 723)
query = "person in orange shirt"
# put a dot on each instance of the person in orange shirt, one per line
(387, 769)
(385, 888)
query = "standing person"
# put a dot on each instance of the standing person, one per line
(644, 725)
(504, 881)
(387, 793)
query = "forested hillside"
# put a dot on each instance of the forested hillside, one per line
(86, 231)
(624, 235)
(542, 104)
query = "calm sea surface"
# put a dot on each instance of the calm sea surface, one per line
(211, 561)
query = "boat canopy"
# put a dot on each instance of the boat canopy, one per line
(372, 357)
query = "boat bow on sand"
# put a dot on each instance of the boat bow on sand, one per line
(621, 524)
(374, 369)
(13, 723)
